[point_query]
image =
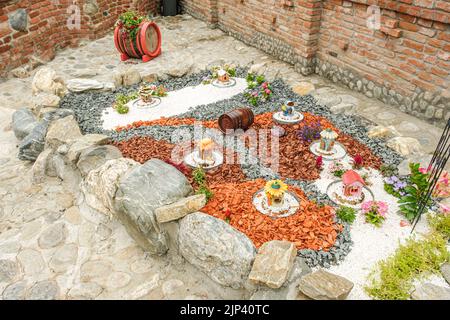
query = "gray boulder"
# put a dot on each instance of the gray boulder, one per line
(62, 131)
(93, 157)
(33, 144)
(324, 285)
(18, 20)
(23, 122)
(143, 189)
(445, 271)
(429, 291)
(212, 245)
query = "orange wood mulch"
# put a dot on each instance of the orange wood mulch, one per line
(312, 227)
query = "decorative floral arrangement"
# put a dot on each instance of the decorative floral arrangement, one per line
(337, 168)
(309, 133)
(319, 162)
(258, 89)
(442, 189)
(417, 186)
(395, 186)
(180, 167)
(227, 215)
(229, 68)
(157, 91)
(128, 23)
(121, 102)
(375, 212)
(357, 162)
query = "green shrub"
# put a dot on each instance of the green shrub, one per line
(346, 214)
(393, 278)
(122, 100)
(418, 184)
(199, 177)
(440, 223)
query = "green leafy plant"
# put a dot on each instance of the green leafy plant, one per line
(440, 223)
(129, 22)
(199, 177)
(392, 279)
(395, 186)
(418, 184)
(121, 102)
(346, 214)
(258, 89)
(375, 212)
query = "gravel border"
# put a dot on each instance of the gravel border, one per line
(88, 108)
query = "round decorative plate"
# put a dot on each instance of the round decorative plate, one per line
(138, 103)
(291, 204)
(339, 151)
(192, 160)
(220, 84)
(334, 192)
(280, 118)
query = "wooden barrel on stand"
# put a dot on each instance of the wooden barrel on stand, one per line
(146, 44)
(237, 119)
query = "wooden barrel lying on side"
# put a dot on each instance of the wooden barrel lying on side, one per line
(146, 44)
(237, 119)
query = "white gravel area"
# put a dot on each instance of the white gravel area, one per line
(370, 244)
(176, 102)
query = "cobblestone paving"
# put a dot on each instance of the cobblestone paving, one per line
(53, 247)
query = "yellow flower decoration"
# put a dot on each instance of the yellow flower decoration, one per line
(275, 187)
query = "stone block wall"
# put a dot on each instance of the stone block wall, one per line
(406, 62)
(36, 28)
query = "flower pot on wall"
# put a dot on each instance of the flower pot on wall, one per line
(146, 45)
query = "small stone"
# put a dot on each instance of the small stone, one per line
(52, 236)
(429, 113)
(84, 142)
(303, 88)
(15, 291)
(118, 280)
(273, 263)
(23, 122)
(181, 208)
(382, 132)
(88, 290)
(18, 20)
(323, 285)
(343, 108)
(46, 80)
(95, 270)
(93, 157)
(141, 266)
(445, 271)
(20, 72)
(63, 258)
(90, 7)
(125, 76)
(44, 290)
(170, 288)
(31, 261)
(62, 131)
(8, 270)
(429, 291)
(404, 145)
(73, 215)
(81, 85)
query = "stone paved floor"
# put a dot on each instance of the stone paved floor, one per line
(52, 246)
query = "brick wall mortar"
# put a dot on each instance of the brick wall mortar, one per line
(406, 63)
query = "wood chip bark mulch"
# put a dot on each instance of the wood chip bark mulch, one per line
(312, 227)
(295, 161)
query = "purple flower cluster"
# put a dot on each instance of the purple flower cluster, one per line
(397, 184)
(310, 133)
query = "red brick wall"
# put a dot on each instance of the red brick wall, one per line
(409, 55)
(406, 63)
(47, 26)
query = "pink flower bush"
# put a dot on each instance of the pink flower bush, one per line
(375, 212)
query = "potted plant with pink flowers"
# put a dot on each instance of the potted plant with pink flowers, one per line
(374, 212)
(258, 89)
